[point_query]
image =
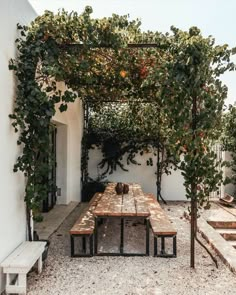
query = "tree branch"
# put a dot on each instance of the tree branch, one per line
(208, 251)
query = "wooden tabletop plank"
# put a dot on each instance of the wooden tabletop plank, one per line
(131, 204)
(110, 187)
(142, 207)
(115, 204)
(128, 206)
(109, 204)
(102, 207)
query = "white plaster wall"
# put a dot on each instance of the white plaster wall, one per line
(12, 207)
(229, 188)
(61, 155)
(172, 185)
(69, 136)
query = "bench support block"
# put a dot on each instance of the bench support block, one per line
(40, 264)
(20, 283)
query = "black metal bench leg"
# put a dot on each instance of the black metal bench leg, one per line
(72, 246)
(155, 246)
(147, 237)
(174, 246)
(101, 221)
(163, 245)
(91, 244)
(84, 244)
(162, 250)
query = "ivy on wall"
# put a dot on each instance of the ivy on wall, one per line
(123, 130)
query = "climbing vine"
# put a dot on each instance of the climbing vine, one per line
(123, 130)
(111, 58)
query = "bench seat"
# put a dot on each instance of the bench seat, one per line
(161, 227)
(19, 263)
(84, 226)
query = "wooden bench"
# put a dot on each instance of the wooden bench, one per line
(84, 227)
(18, 264)
(161, 226)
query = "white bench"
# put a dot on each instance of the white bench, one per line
(19, 263)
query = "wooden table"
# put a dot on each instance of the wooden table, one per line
(111, 205)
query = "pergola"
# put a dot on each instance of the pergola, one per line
(179, 72)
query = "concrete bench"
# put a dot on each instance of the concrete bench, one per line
(161, 226)
(84, 227)
(18, 264)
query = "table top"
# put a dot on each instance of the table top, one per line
(132, 204)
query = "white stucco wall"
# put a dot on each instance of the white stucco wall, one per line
(12, 208)
(70, 127)
(172, 185)
(229, 188)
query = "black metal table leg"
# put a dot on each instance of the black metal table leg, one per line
(155, 246)
(96, 236)
(91, 244)
(122, 236)
(147, 236)
(72, 246)
(162, 245)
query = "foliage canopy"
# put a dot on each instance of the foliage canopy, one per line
(97, 58)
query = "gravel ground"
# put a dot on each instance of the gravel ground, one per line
(130, 275)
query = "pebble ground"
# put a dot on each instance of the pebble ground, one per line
(103, 275)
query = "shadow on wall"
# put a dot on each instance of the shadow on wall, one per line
(172, 185)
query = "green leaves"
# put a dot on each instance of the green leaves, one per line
(63, 107)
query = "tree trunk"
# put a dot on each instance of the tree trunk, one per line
(193, 224)
(193, 189)
(28, 218)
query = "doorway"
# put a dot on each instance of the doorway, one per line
(51, 199)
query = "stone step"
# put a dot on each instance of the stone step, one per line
(229, 234)
(222, 224)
